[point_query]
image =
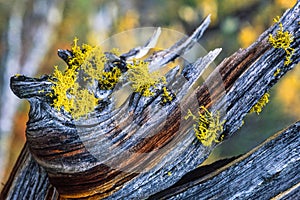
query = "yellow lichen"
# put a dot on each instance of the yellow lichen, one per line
(109, 79)
(94, 62)
(277, 72)
(80, 54)
(84, 103)
(141, 79)
(208, 126)
(282, 39)
(166, 96)
(93, 68)
(68, 93)
(74, 89)
(260, 104)
(115, 51)
(64, 85)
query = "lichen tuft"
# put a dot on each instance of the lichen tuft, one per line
(64, 84)
(167, 96)
(208, 126)
(277, 72)
(90, 69)
(282, 39)
(108, 80)
(72, 89)
(260, 104)
(142, 80)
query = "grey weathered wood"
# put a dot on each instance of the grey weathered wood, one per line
(263, 173)
(28, 180)
(65, 168)
(233, 88)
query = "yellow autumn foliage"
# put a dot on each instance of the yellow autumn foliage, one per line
(287, 93)
(247, 36)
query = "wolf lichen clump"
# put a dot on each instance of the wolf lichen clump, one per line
(142, 80)
(79, 54)
(84, 103)
(166, 96)
(68, 95)
(277, 72)
(108, 80)
(208, 126)
(282, 39)
(90, 69)
(79, 99)
(260, 104)
(64, 85)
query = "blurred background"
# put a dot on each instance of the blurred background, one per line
(31, 31)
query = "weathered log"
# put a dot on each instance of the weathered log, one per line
(268, 171)
(28, 180)
(74, 154)
(144, 147)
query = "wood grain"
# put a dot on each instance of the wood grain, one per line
(129, 152)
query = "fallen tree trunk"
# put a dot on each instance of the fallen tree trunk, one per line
(271, 170)
(149, 151)
(27, 180)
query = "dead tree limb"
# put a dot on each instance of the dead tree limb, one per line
(268, 171)
(28, 179)
(144, 147)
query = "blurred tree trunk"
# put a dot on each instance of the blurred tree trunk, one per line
(30, 30)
